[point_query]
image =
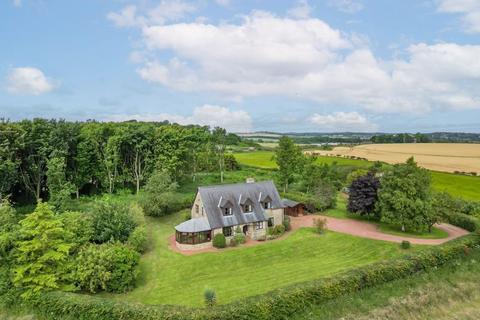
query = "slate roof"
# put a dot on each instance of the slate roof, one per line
(194, 225)
(214, 196)
(289, 203)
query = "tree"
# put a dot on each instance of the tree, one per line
(354, 175)
(231, 163)
(159, 198)
(59, 188)
(8, 230)
(289, 159)
(111, 221)
(363, 194)
(41, 252)
(323, 197)
(404, 198)
(219, 138)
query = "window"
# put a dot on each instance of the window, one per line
(193, 237)
(247, 208)
(270, 222)
(267, 205)
(197, 208)
(227, 231)
(227, 211)
(202, 211)
(259, 225)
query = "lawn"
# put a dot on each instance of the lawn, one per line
(466, 187)
(451, 292)
(170, 278)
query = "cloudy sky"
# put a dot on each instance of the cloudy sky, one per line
(330, 65)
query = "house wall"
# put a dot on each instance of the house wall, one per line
(201, 211)
(193, 247)
(276, 214)
(251, 233)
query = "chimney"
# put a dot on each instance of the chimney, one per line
(250, 180)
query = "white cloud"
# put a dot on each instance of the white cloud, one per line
(301, 11)
(28, 81)
(307, 59)
(469, 9)
(17, 3)
(206, 115)
(347, 6)
(342, 121)
(165, 11)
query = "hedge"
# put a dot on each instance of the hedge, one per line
(463, 221)
(277, 304)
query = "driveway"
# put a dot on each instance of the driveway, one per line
(369, 230)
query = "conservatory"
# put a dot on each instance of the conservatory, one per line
(193, 231)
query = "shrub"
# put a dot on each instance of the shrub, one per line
(138, 239)
(157, 205)
(320, 225)
(109, 266)
(239, 238)
(463, 221)
(286, 223)
(112, 221)
(405, 244)
(210, 297)
(187, 215)
(278, 230)
(219, 241)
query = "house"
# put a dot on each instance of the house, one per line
(249, 208)
(293, 208)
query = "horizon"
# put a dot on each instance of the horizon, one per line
(331, 67)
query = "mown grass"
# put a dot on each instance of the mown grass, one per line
(168, 277)
(467, 187)
(451, 292)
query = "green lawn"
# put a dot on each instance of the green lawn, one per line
(451, 292)
(466, 187)
(171, 278)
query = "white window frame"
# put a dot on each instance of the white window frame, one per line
(227, 211)
(267, 205)
(250, 208)
(259, 225)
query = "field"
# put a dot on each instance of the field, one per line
(466, 187)
(171, 278)
(451, 292)
(445, 157)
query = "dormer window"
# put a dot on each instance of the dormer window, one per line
(247, 208)
(227, 211)
(267, 205)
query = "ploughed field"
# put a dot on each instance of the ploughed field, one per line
(467, 187)
(446, 157)
(168, 277)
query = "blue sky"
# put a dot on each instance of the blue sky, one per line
(332, 65)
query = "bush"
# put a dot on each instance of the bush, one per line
(239, 238)
(138, 239)
(278, 230)
(463, 221)
(286, 223)
(158, 205)
(219, 241)
(210, 297)
(405, 244)
(320, 225)
(109, 266)
(112, 221)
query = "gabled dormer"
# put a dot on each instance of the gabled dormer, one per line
(226, 206)
(265, 200)
(246, 204)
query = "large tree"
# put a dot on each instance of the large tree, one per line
(363, 194)
(41, 253)
(404, 198)
(290, 159)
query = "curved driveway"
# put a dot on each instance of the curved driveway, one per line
(369, 230)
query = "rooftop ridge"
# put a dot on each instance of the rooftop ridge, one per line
(234, 184)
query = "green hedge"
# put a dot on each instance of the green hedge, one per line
(277, 304)
(463, 221)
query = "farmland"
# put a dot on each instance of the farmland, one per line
(445, 157)
(467, 187)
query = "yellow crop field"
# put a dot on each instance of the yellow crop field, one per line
(447, 157)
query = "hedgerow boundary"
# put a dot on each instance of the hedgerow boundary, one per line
(277, 304)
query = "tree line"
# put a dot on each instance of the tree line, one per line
(54, 159)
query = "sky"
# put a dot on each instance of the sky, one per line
(246, 65)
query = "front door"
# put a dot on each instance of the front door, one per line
(245, 229)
